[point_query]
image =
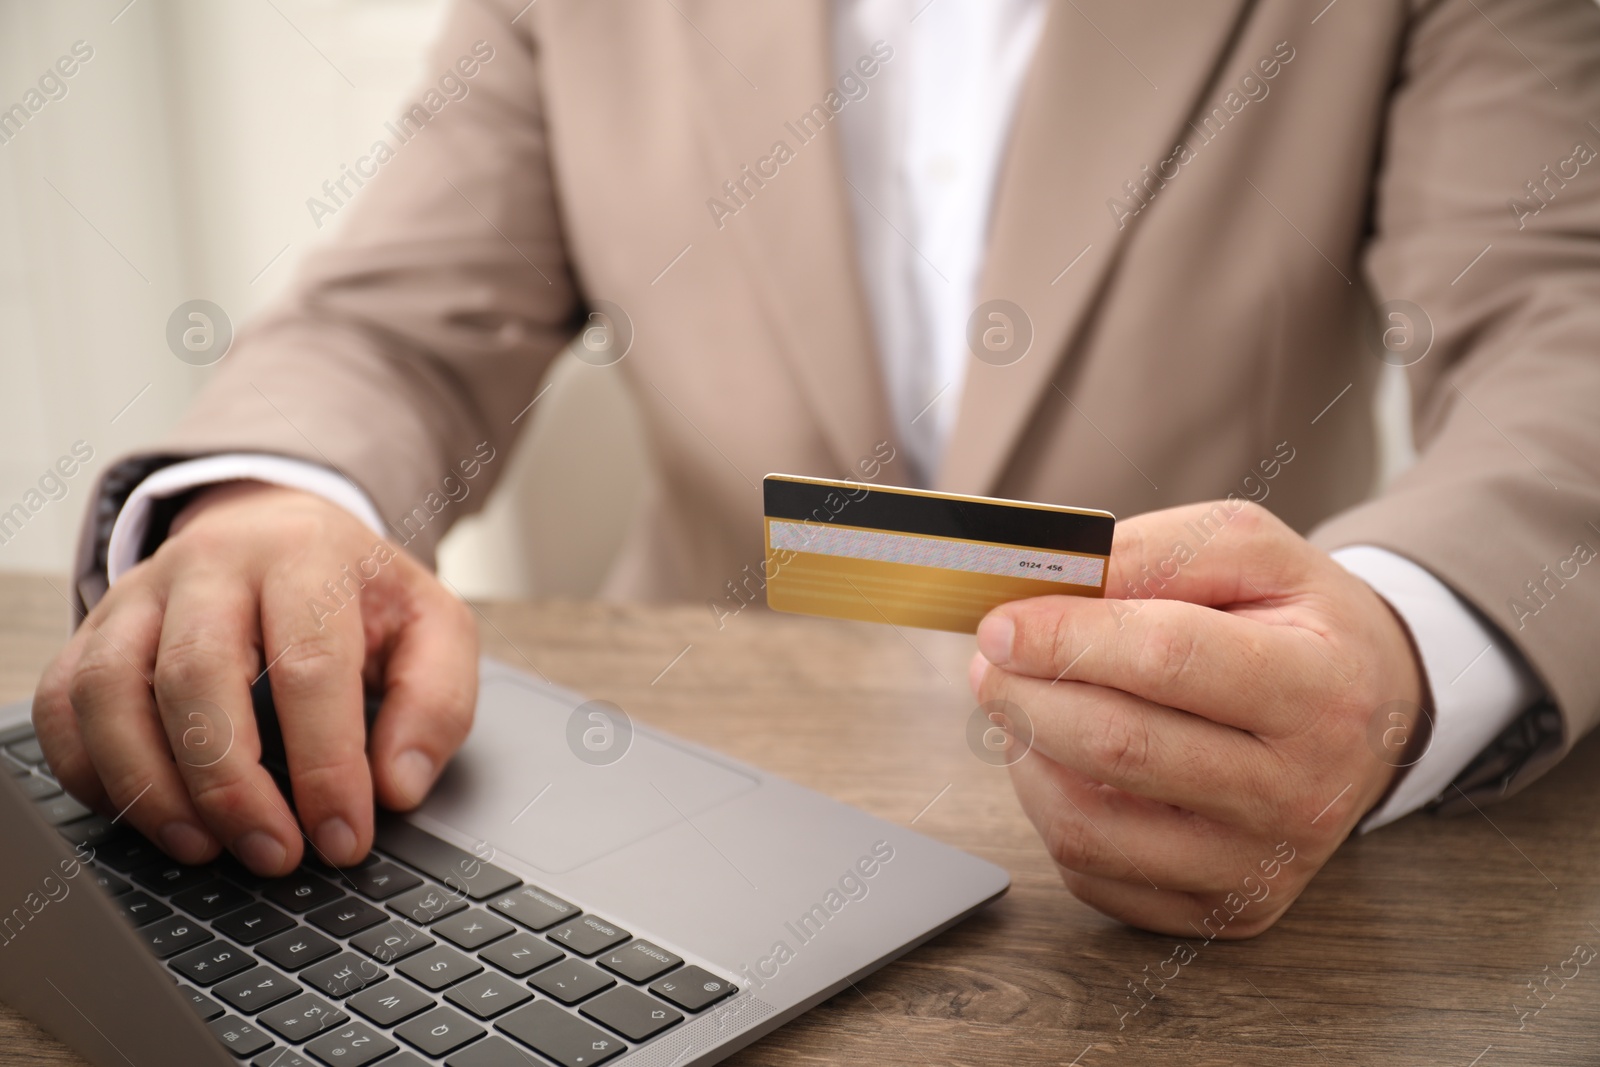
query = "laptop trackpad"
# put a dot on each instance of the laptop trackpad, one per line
(520, 785)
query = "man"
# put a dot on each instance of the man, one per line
(1118, 255)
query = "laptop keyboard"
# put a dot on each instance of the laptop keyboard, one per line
(422, 954)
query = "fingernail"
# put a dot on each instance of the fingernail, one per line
(184, 841)
(995, 634)
(975, 672)
(413, 774)
(336, 841)
(261, 852)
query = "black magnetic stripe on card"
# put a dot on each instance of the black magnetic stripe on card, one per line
(969, 520)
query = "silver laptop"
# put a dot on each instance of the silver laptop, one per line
(577, 890)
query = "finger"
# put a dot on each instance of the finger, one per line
(56, 726)
(1233, 670)
(1093, 828)
(1219, 552)
(204, 666)
(1143, 748)
(1177, 913)
(1162, 911)
(430, 692)
(315, 655)
(122, 734)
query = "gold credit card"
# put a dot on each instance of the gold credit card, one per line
(910, 557)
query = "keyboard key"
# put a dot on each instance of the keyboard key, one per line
(28, 751)
(61, 809)
(214, 898)
(351, 1045)
(142, 908)
(168, 877)
(302, 1018)
(534, 908)
(203, 1005)
(297, 948)
(125, 851)
(570, 981)
(472, 929)
(20, 732)
(457, 868)
(521, 954)
(492, 1051)
(394, 940)
(300, 892)
(255, 990)
(488, 995)
(693, 988)
(253, 922)
(344, 974)
(381, 880)
(168, 937)
(109, 882)
(565, 1038)
(404, 1058)
(93, 831)
(281, 1057)
(229, 867)
(439, 1032)
(390, 1002)
(426, 904)
(639, 961)
(345, 918)
(438, 967)
(589, 935)
(36, 788)
(241, 1038)
(212, 962)
(631, 1013)
(11, 765)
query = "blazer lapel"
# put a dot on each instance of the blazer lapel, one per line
(1087, 120)
(794, 232)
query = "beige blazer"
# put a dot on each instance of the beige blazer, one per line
(1199, 209)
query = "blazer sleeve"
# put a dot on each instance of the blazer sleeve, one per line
(1486, 220)
(410, 341)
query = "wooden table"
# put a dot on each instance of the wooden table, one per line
(1416, 945)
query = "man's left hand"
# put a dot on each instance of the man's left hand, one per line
(1203, 738)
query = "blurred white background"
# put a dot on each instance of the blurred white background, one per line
(177, 166)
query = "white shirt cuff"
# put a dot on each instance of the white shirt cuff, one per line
(128, 532)
(1479, 681)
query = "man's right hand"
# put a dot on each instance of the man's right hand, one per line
(147, 710)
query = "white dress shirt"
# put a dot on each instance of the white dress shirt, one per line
(921, 153)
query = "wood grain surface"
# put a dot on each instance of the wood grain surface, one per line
(1417, 944)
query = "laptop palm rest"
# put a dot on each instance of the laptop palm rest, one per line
(558, 785)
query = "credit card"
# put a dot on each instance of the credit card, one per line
(911, 557)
